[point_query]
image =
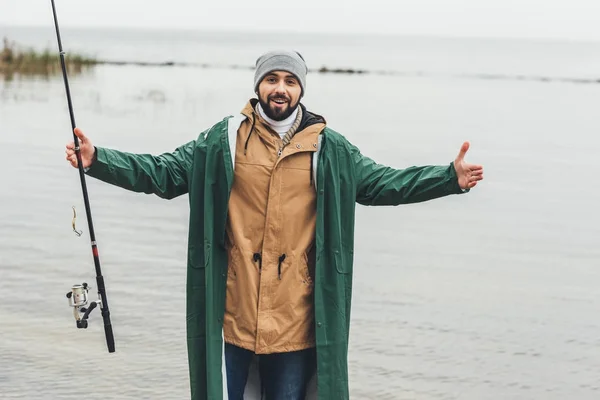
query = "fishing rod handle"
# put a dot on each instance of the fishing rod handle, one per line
(108, 332)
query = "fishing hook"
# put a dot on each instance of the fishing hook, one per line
(78, 233)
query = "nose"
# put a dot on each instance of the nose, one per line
(280, 87)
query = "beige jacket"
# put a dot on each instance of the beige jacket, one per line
(270, 232)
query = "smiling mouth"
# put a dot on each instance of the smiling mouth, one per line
(279, 102)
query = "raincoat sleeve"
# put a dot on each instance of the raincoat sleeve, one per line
(165, 175)
(379, 185)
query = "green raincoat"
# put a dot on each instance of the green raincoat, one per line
(204, 169)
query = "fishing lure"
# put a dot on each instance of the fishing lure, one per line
(78, 233)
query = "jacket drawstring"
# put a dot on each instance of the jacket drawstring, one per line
(257, 257)
(281, 260)
(250, 134)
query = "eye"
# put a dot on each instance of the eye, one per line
(291, 82)
(271, 79)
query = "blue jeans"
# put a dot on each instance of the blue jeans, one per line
(283, 376)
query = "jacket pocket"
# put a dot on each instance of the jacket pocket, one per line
(197, 257)
(233, 260)
(344, 258)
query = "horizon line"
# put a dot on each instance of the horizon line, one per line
(312, 33)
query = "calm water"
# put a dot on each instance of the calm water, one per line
(491, 295)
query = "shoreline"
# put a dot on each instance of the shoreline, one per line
(15, 61)
(353, 71)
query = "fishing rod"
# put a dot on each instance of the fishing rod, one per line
(78, 296)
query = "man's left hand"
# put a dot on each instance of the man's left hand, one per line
(468, 174)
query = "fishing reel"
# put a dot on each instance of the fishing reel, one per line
(78, 299)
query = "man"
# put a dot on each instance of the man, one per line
(271, 234)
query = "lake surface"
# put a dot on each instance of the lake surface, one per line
(490, 295)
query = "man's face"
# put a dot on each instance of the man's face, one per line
(279, 94)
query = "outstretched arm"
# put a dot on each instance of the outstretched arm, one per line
(382, 185)
(165, 175)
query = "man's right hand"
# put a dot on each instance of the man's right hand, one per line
(86, 148)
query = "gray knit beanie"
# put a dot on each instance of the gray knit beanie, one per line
(281, 60)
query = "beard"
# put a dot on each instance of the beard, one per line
(278, 113)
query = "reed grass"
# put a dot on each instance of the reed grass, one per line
(15, 61)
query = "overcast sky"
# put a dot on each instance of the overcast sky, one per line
(567, 19)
